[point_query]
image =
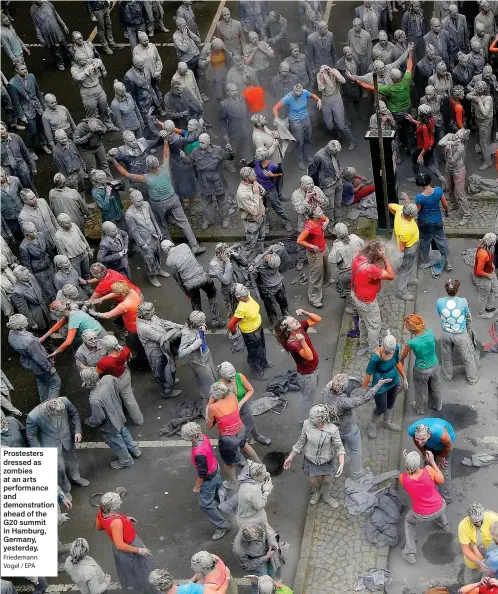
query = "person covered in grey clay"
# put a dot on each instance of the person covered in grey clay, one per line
(12, 432)
(326, 172)
(163, 201)
(344, 248)
(16, 159)
(486, 17)
(274, 33)
(302, 198)
(127, 116)
(153, 66)
(270, 282)
(113, 249)
(65, 274)
(214, 79)
(85, 47)
(181, 106)
(463, 72)
(70, 242)
(384, 49)
(207, 159)
(106, 413)
(344, 394)
(239, 71)
(320, 48)
(115, 363)
(138, 83)
(193, 345)
(221, 269)
(160, 339)
(455, 172)
(27, 298)
(482, 37)
(36, 257)
(29, 105)
(191, 277)
(158, 17)
(88, 138)
(55, 423)
(68, 160)
(182, 174)
(33, 357)
(414, 24)
(50, 31)
(186, 44)
(82, 569)
(10, 202)
(143, 228)
(56, 117)
(5, 389)
(86, 72)
(100, 13)
(234, 123)
(258, 54)
(483, 104)
(330, 81)
(252, 15)
(185, 12)
(37, 211)
(7, 282)
(439, 38)
(230, 32)
(12, 44)
(64, 199)
(135, 16)
(186, 79)
(360, 43)
(91, 350)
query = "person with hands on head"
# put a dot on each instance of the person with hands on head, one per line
(292, 335)
(474, 534)
(299, 120)
(487, 585)
(208, 481)
(134, 561)
(322, 444)
(427, 503)
(385, 362)
(438, 436)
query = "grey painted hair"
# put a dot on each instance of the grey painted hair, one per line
(89, 376)
(240, 290)
(389, 342)
(266, 585)
(161, 578)
(396, 74)
(197, 319)
(203, 562)
(17, 322)
(251, 532)
(274, 261)
(261, 153)
(488, 240)
(108, 226)
(226, 370)
(109, 502)
(410, 210)
(339, 382)
(218, 391)
(247, 173)
(54, 406)
(422, 431)
(71, 292)
(412, 461)
(88, 335)
(341, 230)
(79, 550)
(146, 310)
(475, 511)
(257, 471)
(64, 218)
(59, 179)
(323, 413)
(166, 245)
(191, 431)
(152, 162)
(110, 343)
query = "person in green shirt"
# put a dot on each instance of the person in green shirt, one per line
(426, 375)
(397, 96)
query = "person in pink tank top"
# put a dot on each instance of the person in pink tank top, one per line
(208, 481)
(427, 503)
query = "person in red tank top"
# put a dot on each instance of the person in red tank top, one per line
(104, 278)
(427, 503)
(223, 410)
(312, 237)
(487, 585)
(208, 481)
(134, 561)
(484, 276)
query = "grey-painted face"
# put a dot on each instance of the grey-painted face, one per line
(463, 59)
(51, 102)
(357, 25)
(436, 27)
(61, 137)
(22, 273)
(5, 21)
(284, 70)
(383, 38)
(430, 52)
(307, 184)
(3, 131)
(181, 24)
(143, 39)
(233, 93)
(138, 63)
(129, 139)
(225, 15)
(402, 37)
(136, 198)
(111, 230)
(78, 38)
(31, 199)
(453, 10)
(204, 143)
(322, 29)
(22, 70)
(348, 53)
(295, 52)
(91, 343)
(253, 38)
(176, 89)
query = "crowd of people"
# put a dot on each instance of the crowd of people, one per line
(436, 86)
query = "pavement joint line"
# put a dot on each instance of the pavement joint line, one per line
(112, 586)
(173, 443)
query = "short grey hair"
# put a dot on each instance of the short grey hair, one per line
(190, 431)
(412, 461)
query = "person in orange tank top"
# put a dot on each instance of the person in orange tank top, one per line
(223, 410)
(484, 276)
(212, 572)
(134, 561)
(427, 503)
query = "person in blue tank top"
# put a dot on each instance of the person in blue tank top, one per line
(436, 436)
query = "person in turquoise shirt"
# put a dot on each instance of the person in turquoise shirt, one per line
(77, 322)
(426, 371)
(385, 364)
(436, 436)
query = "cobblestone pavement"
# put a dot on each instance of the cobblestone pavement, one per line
(335, 551)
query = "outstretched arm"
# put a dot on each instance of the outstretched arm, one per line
(276, 108)
(124, 172)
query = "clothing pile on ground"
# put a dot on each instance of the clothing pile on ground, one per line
(187, 411)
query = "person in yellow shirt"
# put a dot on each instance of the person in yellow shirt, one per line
(475, 538)
(406, 231)
(248, 318)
